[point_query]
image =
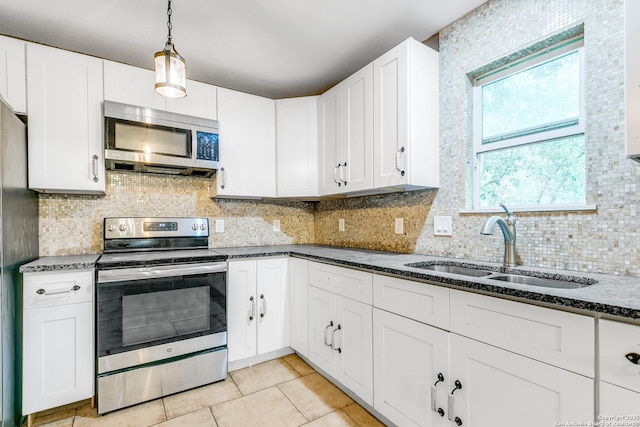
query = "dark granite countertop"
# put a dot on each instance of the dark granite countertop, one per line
(56, 263)
(612, 295)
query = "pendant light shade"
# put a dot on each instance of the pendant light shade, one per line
(171, 68)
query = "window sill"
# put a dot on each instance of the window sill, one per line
(540, 208)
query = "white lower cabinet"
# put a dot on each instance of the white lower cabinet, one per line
(410, 370)
(299, 305)
(58, 349)
(497, 388)
(340, 340)
(258, 312)
(618, 404)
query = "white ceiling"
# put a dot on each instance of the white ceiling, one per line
(274, 48)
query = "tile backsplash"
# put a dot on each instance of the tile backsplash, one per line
(71, 224)
(604, 240)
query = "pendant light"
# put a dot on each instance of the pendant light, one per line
(171, 68)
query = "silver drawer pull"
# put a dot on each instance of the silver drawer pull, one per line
(43, 292)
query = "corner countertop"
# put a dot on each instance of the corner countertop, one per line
(612, 295)
(57, 263)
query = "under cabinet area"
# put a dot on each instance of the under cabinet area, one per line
(58, 339)
(65, 132)
(258, 311)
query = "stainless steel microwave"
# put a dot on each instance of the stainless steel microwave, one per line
(142, 139)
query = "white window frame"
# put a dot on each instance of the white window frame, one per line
(549, 54)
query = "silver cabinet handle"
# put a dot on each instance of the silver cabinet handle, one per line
(253, 309)
(335, 170)
(263, 309)
(450, 403)
(65, 291)
(223, 178)
(333, 339)
(340, 173)
(94, 167)
(398, 155)
(434, 392)
(327, 339)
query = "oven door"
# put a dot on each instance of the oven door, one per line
(152, 313)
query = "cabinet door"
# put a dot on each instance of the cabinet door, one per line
(247, 145)
(357, 146)
(353, 344)
(273, 311)
(330, 137)
(58, 356)
(406, 117)
(503, 389)
(297, 143)
(299, 305)
(201, 101)
(13, 74)
(65, 121)
(131, 85)
(408, 358)
(321, 328)
(242, 309)
(618, 402)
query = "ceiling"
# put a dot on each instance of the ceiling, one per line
(273, 48)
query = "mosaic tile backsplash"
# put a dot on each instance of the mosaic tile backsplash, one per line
(71, 224)
(605, 240)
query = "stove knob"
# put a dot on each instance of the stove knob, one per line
(194, 227)
(203, 226)
(112, 227)
(122, 227)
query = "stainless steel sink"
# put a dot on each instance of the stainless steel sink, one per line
(539, 281)
(453, 269)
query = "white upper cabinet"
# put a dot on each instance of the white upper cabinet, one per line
(406, 117)
(345, 121)
(632, 76)
(65, 129)
(135, 86)
(297, 146)
(13, 74)
(247, 146)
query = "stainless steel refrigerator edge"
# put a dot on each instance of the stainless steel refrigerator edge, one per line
(18, 244)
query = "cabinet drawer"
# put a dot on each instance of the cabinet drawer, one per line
(349, 283)
(418, 301)
(616, 341)
(566, 340)
(57, 287)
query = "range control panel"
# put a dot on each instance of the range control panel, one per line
(132, 228)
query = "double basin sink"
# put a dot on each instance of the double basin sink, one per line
(565, 282)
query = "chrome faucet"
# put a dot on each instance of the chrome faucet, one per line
(508, 227)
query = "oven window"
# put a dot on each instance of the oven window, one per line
(135, 314)
(166, 314)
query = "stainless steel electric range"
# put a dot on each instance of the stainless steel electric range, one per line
(161, 310)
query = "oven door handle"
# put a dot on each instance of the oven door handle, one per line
(139, 273)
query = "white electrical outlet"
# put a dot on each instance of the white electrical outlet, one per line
(219, 225)
(341, 224)
(399, 226)
(442, 226)
(276, 225)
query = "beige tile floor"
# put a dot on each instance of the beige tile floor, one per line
(279, 393)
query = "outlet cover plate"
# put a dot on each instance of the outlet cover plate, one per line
(442, 226)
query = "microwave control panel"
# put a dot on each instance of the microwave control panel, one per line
(207, 146)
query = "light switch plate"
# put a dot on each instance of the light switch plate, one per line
(219, 225)
(442, 226)
(341, 224)
(276, 225)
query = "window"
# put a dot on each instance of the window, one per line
(529, 148)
